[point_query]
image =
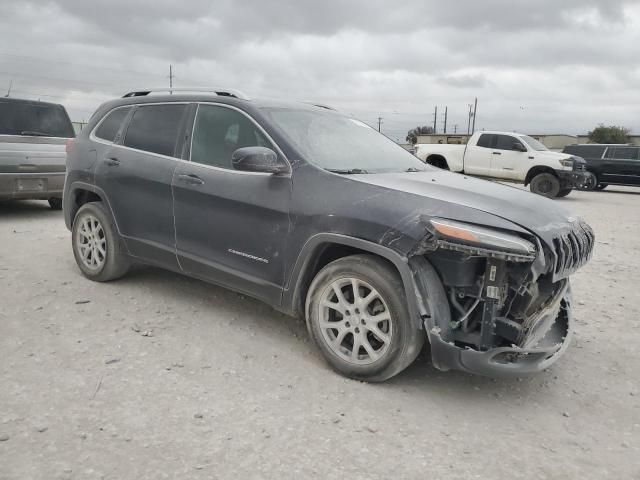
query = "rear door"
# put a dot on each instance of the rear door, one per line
(231, 226)
(622, 166)
(135, 172)
(506, 161)
(477, 158)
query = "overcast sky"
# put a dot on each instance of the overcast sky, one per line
(542, 66)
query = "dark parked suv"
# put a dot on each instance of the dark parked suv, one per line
(320, 216)
(608, 164)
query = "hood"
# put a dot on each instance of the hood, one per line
(548, 154)
(536, 214)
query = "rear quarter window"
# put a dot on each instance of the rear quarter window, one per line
(624, 153)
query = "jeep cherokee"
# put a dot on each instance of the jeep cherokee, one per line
(322, 217)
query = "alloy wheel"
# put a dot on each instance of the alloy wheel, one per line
(355, 321)
(91, 242)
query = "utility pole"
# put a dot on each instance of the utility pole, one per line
(171, 75)
(9, 90)
(435, 120)
(455, 128)
(475, 108)
(445, 119)
(379, 124)
(469, 119)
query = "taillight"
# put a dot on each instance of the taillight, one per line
(68, 144)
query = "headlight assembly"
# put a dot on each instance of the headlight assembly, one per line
(481, 240)
(566, 162)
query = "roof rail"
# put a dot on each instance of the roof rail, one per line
(320, 105)
(221, 92)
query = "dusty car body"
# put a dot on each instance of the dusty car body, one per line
(483, 268)
(33, 136)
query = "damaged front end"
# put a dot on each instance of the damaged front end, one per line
(497, 302)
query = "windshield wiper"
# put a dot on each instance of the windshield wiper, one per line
(413, 169)
(349, 171)
(34, 133)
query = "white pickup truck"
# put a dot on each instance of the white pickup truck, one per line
(509, 156)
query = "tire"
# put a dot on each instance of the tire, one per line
(55, 203)
(545, 184)
(396, 341)
(601, 186)
(564, 192)
(93, 228)
(590, 182)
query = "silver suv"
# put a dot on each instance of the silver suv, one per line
(33, 135)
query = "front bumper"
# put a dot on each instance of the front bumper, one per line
(571, 178)
(36, 186)
(545, 344)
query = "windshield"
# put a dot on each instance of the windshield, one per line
(31, 118)
(335, 142)
(533, 143)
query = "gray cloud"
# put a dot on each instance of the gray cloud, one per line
(544, 65)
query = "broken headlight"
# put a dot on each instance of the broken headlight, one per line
(481, 238)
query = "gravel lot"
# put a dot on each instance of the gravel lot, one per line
(160, 376)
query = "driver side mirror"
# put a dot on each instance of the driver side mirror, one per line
(258, 159)
(517, 146)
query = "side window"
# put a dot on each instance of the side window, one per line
(505, 142)
(111, 124)
(154, 128)
(625, 153)
(220, 131)
(486, 140)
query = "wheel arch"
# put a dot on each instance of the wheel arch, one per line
(80, 193)
(323, 248)
(437, 160)
(538, 169)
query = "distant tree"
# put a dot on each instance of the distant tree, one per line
(610, 134)
(412, 135)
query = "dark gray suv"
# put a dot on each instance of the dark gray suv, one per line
(322, 217)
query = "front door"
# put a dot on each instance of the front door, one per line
(135, 172)
(231, 226)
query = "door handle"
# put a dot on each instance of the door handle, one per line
(497, 153)
(191, 179)
(112, 162)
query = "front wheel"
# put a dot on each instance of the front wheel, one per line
(96, 246)
(546, 184)
(358, 317)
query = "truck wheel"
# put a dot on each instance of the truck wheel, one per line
(590, 182)
(96, 246)
(546, 184)
(55, 203)
(564, 192)
(357, 315)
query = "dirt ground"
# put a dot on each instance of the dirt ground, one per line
(160, 376)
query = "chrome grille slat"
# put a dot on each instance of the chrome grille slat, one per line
(573, 249)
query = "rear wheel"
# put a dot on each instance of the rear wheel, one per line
(96, 246)
(358, 317)
(546, 184)
(55, 203)
(564, 192)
